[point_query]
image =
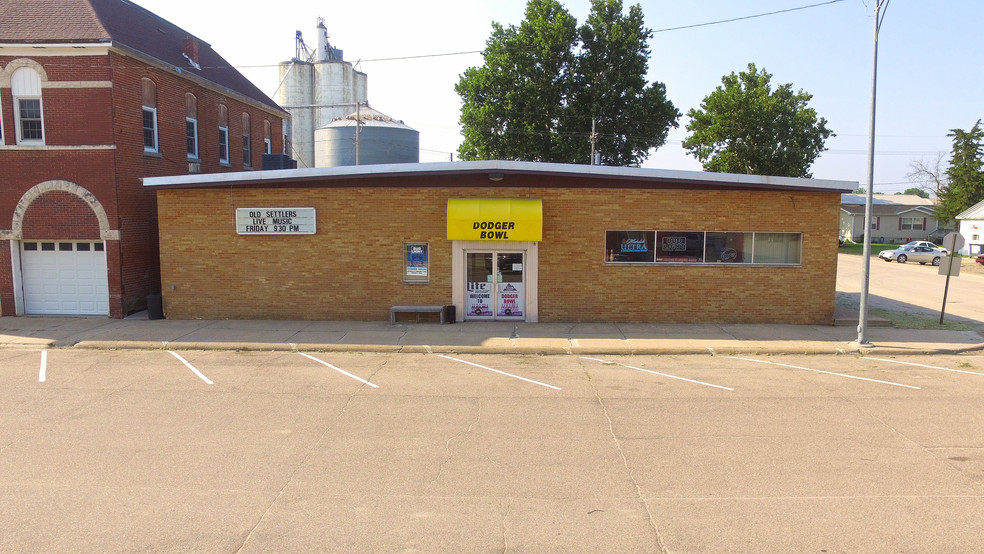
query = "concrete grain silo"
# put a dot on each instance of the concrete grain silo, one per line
(317, 88)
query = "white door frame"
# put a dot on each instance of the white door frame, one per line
(530, 250)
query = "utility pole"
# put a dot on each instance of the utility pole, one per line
(594, 142)
(358, 130)
(880, 8)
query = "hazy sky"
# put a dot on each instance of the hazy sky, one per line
(929, 71)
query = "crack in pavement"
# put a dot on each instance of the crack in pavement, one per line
(447, 445)
(625, 463)
(303, 461)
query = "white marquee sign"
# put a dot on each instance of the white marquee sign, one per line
(275, 221)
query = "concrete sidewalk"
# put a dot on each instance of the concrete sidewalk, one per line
(137, 332)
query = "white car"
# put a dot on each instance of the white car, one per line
(925, 243)
(921, 254)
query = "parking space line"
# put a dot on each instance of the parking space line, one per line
(661, 374)
(342, 371)
(43, 374)
(191, 367)
(501, 372)
(824, 372)
(924, 365)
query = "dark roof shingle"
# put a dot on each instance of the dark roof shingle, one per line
(124, 23)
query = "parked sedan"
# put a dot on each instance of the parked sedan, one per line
(979, 259)
(926, 243)
(905, 253)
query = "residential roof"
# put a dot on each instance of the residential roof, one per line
(499, 171)
(119, 23)
(888, 199)
(974, 212)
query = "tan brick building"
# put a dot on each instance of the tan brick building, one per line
(500, 241)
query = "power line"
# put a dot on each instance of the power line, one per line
(745, 17)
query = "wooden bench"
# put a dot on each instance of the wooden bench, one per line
(415, 310)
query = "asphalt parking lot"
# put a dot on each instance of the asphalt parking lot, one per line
(287, 451)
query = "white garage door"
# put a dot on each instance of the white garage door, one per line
(65, 278)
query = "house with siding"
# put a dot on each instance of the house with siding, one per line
(94, 96)
(971, 223)
(896, 218)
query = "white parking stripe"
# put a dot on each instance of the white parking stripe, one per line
(342, 371)
(661, 374)
(825, 372)
(43, 374)
(923, 365)
(191, 367)
(502, 372)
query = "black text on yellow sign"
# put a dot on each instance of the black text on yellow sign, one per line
(495, 230)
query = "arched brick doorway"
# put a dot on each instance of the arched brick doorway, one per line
(61, 263)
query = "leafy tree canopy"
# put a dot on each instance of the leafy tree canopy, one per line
(545, 81)
(916, 191)
(745, 126)
(965, 174)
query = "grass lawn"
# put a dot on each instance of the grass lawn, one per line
(858, 248)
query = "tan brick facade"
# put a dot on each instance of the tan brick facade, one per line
(351, 269)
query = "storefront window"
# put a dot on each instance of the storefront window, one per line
(728, 248)
(777, 248)
(680, 246)
(630, 246)
(700, 247)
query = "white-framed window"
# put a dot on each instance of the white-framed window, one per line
(191, 125)
(267, 134)
(247, 142)
(223, 134)
(150, 138)
(912, 224)
(25, 86)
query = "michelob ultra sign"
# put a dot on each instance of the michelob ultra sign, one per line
(495, 219)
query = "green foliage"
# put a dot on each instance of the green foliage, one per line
(860, 190)
(746, 127)
(965, 175)
(512, 106)
(544, 82)
(915, 191)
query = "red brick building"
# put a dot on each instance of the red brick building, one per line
(94, 96)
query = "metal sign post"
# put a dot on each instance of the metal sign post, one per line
(952, 242)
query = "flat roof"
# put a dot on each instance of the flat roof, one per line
(664, 177)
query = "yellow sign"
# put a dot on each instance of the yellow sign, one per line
(495, 219)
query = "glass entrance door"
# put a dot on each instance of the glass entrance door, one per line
(495, 289)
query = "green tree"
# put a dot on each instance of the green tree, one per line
(965, 174)
(915, 191)
(610, 88)
(512, 106)
(545, 81)
(745, 126)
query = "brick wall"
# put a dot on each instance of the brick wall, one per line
(60, 215)
(100, 116)
(352, 267)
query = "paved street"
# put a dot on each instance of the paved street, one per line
(914, 288)
(303, 451)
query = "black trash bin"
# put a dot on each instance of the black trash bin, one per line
(450, 314)
(155, 306)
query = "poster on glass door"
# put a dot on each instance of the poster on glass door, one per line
(478, 300)
(511, 299)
